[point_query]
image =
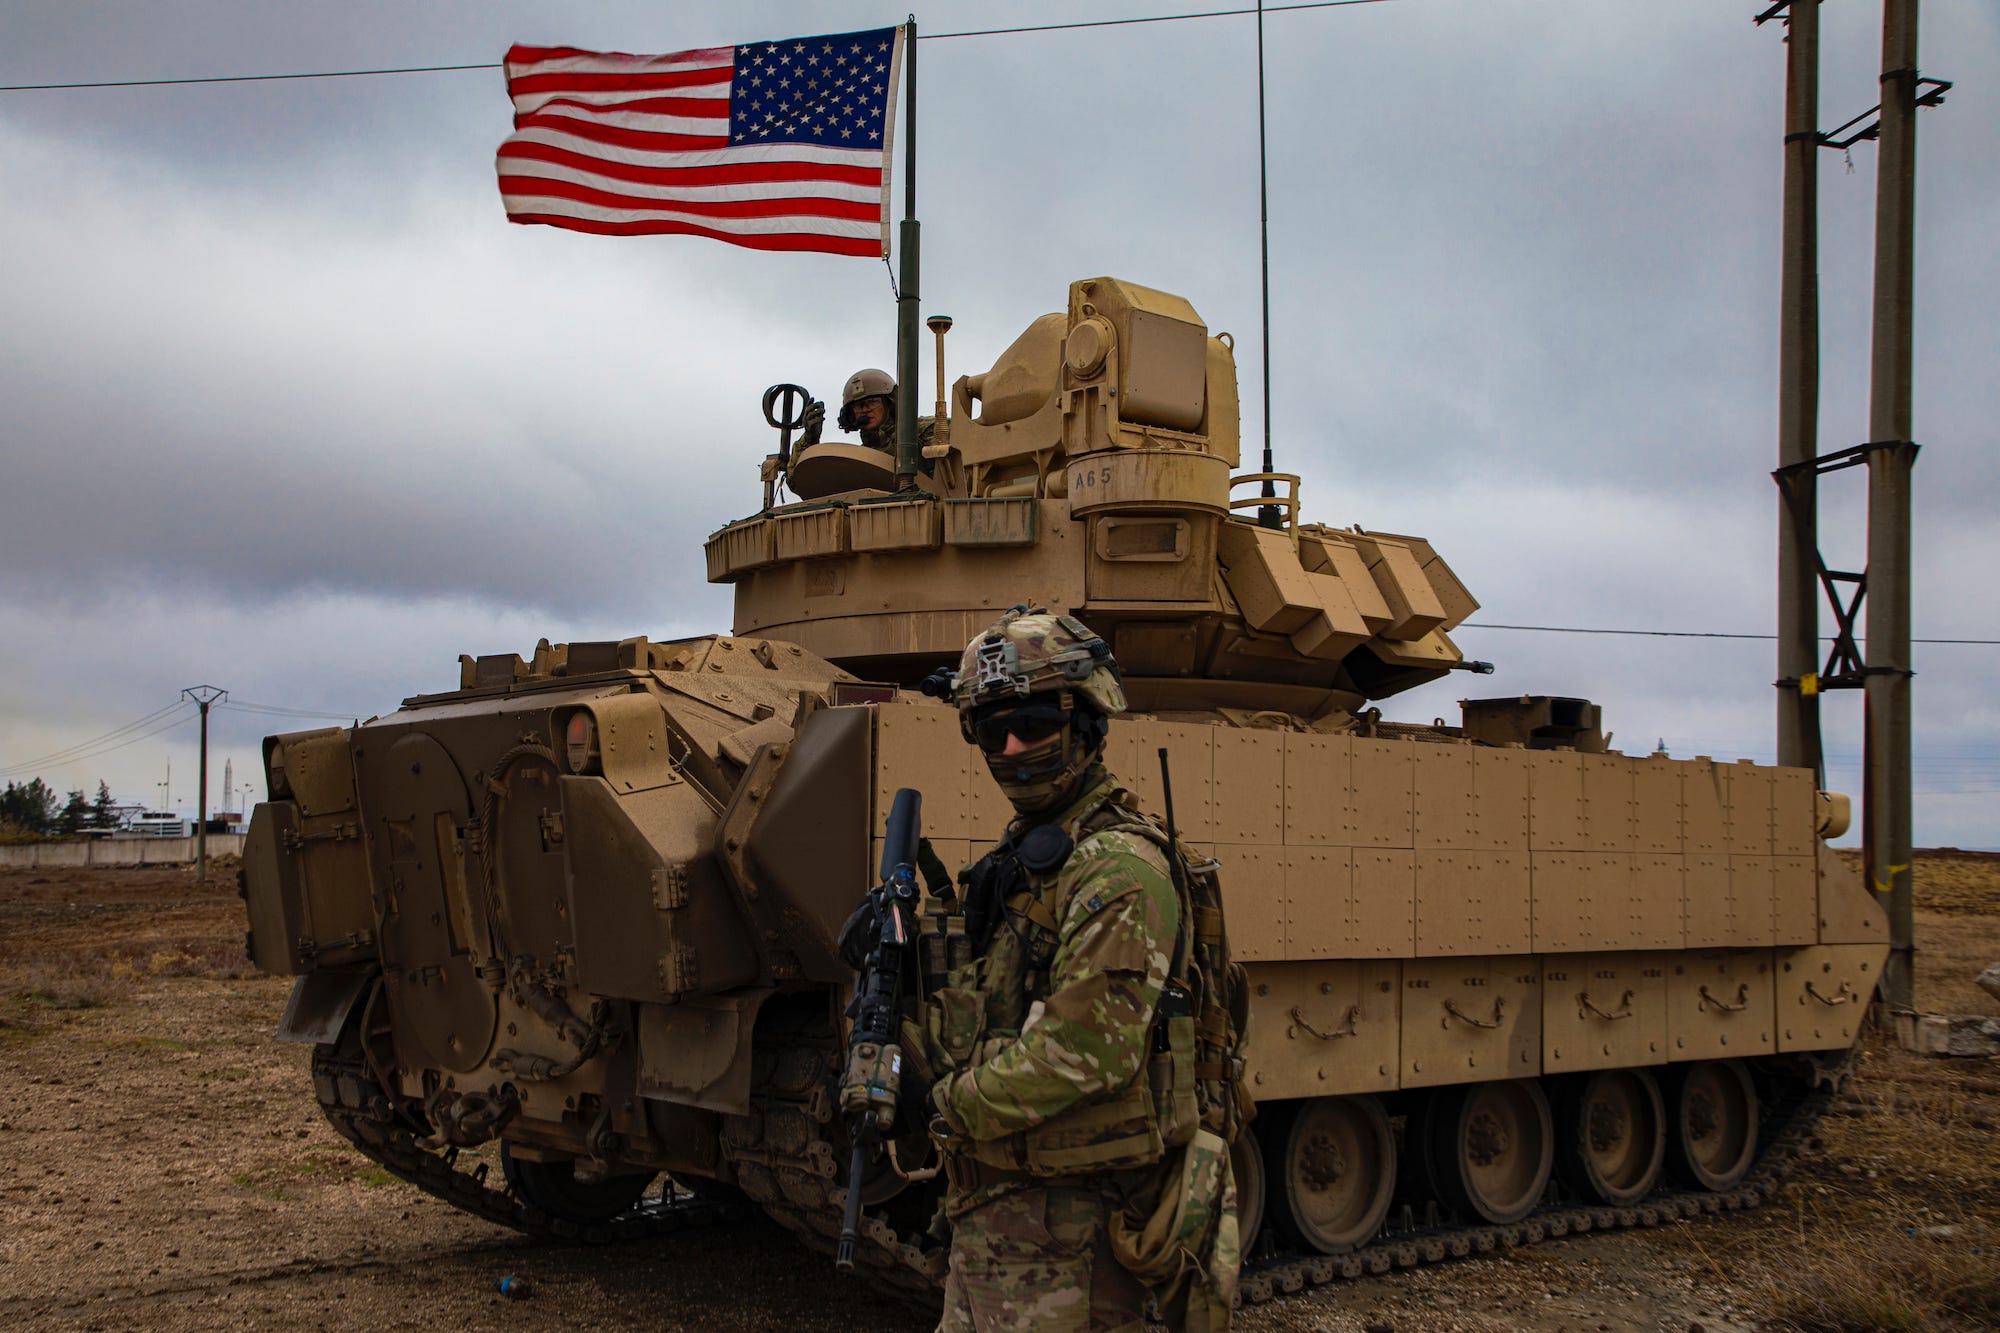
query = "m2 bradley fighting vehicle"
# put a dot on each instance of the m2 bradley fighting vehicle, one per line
(1506, 982)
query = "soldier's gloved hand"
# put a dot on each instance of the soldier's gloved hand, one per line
(813, 419)
(945, 1125)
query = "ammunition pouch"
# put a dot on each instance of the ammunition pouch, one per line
(1171, 1073)
(955, 1020)
(1186, 1247)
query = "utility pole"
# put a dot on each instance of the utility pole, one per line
(203, 696)
(1886, 816)
(1882, 589)
(1798, 402)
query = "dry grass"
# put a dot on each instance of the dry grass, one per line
(1892, 1225)
(215, 959)
(1895, 1225)
(59, 983)
(39, 983)
(34, 989)
(1910, 1283)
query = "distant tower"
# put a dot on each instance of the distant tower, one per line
(228, 782)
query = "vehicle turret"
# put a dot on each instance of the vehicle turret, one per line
(1091, 469)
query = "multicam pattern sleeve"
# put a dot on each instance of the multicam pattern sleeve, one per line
(1090, 1035)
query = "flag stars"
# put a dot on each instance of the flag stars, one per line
(811, 90)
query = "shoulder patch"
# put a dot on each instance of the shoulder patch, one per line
(1108, 868)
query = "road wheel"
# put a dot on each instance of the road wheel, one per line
(1332, 1168)
(1611, 1135)
(1492, 1146)
(1713, 1137)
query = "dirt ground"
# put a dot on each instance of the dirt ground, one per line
(162, 1163)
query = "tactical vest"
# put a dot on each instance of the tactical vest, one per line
(980, 991)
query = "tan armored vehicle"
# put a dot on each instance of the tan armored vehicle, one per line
(1507, 982)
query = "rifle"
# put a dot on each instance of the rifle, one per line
(874, 1060)
(1175, 1002)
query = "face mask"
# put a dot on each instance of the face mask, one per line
(1036, 783)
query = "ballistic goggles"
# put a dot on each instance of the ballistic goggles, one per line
(1030, 723)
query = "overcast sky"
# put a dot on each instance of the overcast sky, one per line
(291, 409)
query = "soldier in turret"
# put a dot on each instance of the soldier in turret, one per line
(1050, 1047)
(867, 407)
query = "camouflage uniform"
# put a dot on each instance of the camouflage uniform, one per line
(1070, 985)
(1071, 1196)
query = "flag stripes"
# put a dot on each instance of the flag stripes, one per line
(774, 145)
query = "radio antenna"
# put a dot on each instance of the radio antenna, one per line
(1267, 515)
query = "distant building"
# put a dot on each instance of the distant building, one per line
(155, 824)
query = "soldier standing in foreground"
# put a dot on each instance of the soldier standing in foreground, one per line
(1085, 1148)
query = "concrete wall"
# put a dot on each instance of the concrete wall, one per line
(118, 851)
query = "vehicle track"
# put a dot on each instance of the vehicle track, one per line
(1789, 1131)
(786, 1163)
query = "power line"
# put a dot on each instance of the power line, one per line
(155, 723)
(277, 711)
(82, 752)
(71, 753)
(1689, 633)
(242, 78)
(495, 64)
(1153, 18)
(114, 732)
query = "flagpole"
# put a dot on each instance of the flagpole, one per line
(906, 293)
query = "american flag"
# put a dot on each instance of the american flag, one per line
(772, 145)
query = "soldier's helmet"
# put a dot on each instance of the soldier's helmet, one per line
(1028, 652)
(1037, 677)
(865, 384)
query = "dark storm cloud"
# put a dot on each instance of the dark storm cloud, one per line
(278, 375)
